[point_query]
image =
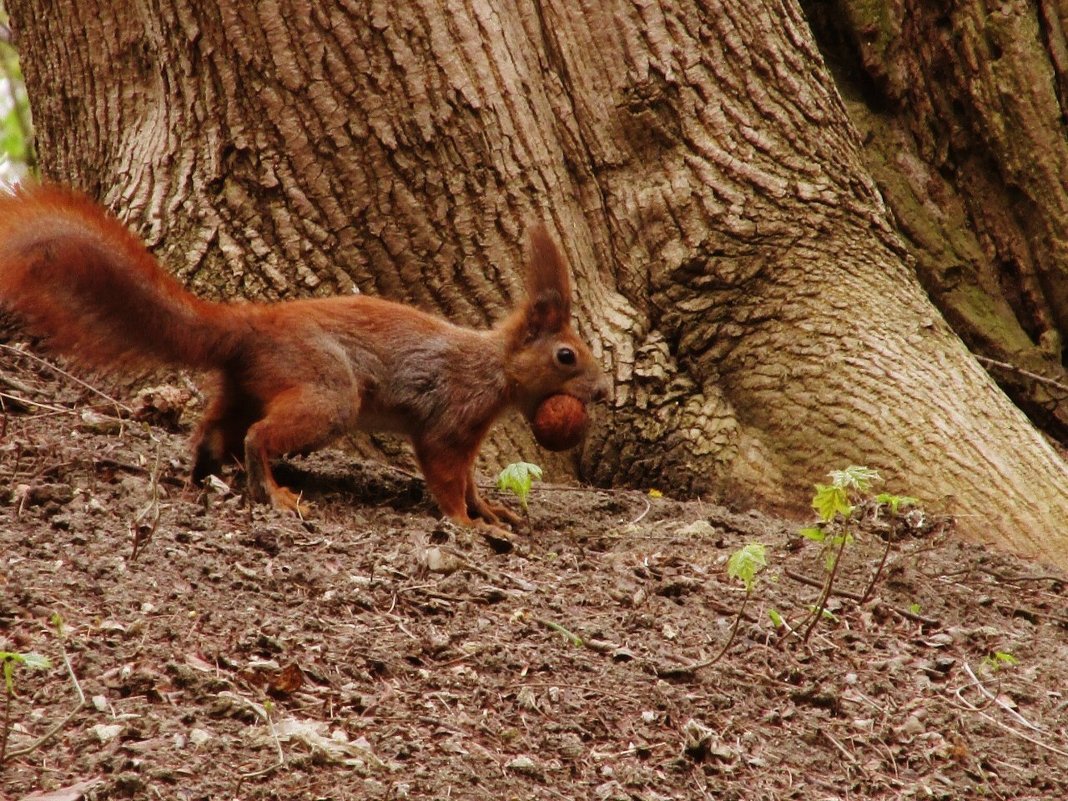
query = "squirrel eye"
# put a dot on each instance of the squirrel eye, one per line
(565, 356)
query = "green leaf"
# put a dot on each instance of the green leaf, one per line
(518, 478)
(895, 502)
(1000, 659)
(831, 500)
(36, 661)
(776, 618)
(854, 477)
(745, 563)
(813, 533)
(10, 659)
(824, 613)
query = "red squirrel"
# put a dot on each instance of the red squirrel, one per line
(295, 375)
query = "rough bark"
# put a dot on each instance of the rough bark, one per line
(962, 109)
(736, 267)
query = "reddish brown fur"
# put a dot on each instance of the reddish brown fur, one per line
(294, 376)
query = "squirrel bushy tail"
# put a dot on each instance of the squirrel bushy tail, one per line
(75, 275)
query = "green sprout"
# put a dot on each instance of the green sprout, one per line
(745, 563)
(835, 504)
(10, 661)
(518, 478)
(1000, 659)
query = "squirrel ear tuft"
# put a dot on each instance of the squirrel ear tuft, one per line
(548, 281)
(546, 313)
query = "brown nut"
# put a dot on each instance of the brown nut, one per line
(560, 422)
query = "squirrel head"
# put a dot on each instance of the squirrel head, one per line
(545, 354)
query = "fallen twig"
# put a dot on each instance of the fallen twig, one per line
(994, 699)
(52, 366)
(1021, 371)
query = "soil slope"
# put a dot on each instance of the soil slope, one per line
(376, 652)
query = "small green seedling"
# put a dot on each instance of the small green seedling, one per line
(518, 478)
(1000, 659)
(566, 633)
(744, 565)
(895, 502)
(835, 504)
(10, 661)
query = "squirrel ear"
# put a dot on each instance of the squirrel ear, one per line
(548, 283)
(545, 313)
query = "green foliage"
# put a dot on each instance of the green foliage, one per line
(1000, 659)
(777, 619)
(821, 611)
(895, 502)
(835, 505)
(833, 499)
(830, 500)
(745, 563)
(10, 660)
(16, 130)
(854, 477)
(518, 478)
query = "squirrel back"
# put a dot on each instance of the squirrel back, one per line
(76, 276)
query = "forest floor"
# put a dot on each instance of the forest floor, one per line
(210, 651)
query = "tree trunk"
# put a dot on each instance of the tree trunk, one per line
(736, 267)
(962, 109)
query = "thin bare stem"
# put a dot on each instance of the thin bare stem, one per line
(5, 727)
(734, 630)
(826, 592)
(878, 572)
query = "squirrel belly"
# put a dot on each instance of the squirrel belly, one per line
(294, 376)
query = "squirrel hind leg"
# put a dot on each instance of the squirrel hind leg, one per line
(220, 437)
(299, 420)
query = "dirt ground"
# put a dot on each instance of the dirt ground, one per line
(210, 651)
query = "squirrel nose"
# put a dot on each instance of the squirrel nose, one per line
(600, 392)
